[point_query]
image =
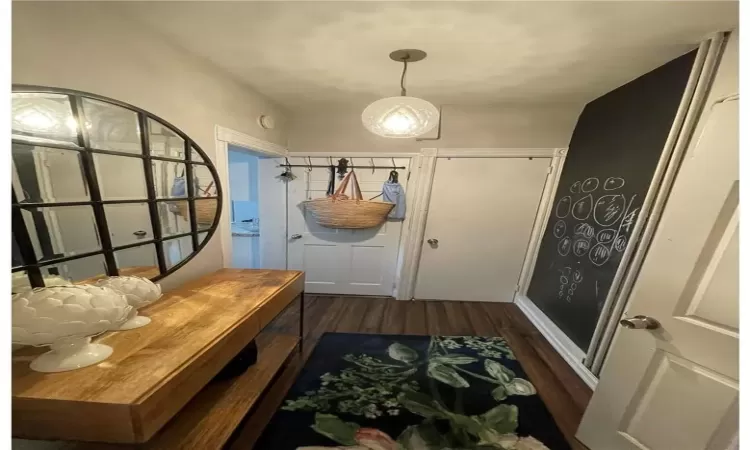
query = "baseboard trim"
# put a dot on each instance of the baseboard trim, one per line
(559, 341)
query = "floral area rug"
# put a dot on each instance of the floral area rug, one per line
(395, 392)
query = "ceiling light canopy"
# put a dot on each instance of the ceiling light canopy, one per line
(401, 117)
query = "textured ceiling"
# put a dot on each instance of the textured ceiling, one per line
(303, 54)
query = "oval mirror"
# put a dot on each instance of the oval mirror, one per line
(100, 189)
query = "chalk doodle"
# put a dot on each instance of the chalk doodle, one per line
(599, 254)
(563, 207)
(584, 230)
(612, 183)
(620, 243)
(582, 208)
(606, 235)
(629, 219)
(575, 187)
(608, 209)
(578, 276)
(559, 228)
(590, 185)
(563, 247)
(581, 246)
(564, 280)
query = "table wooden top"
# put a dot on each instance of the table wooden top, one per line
(192, 327)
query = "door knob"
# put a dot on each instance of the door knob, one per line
(640, 323)
(296, 236)
(432, 241)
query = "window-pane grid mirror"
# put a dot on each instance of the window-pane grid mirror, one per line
(99, 188)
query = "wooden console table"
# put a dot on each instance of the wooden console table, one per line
(154, 390)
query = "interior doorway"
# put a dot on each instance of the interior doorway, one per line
(244, 215)
(257, 209)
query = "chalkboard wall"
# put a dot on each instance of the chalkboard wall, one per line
(612, 157)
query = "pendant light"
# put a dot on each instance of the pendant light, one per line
(401, 117)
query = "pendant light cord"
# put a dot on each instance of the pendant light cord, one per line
(403, 75)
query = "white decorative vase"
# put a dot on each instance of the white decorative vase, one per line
(65, 318)
(138, 291)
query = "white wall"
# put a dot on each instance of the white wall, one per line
(530, 125)
(94, 47)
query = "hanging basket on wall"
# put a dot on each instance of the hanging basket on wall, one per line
(205, 211)
(337, 210)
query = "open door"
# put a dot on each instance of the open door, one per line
(272, 212)
(671, 378)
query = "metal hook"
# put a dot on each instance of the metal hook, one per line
(372, 164)
(309, 164)
(394, 163)
(330, 161)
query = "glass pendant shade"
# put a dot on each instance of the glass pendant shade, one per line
(400, 117)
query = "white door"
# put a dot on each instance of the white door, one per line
(272, 206)
(338, 261)
(677, 387)
(478, 227)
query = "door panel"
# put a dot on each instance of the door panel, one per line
(481, 212)
(272, 201)
(341, 261)
(676, 386)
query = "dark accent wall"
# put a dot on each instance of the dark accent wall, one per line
(611, 160)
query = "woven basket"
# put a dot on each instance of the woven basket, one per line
(340, 211)
(205, 211)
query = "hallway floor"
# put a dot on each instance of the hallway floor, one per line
(565, 395)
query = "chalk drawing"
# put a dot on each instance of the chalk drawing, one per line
(596, 288)
(606, 235)
(563, 247)
(575, 187)
(568, 298)
(563, 207)
(559, 229)
(582, 208)
(612, 183)
(599, 254)
(564, 274)
(578, 276)
(629, 219)
(584, 229)
(590, 185)
(620, 243)
(581, 246)
(608, 209)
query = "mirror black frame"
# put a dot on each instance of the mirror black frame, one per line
(22, 240)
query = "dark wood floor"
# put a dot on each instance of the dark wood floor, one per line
(565, 395)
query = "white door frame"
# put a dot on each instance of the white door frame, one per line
(423, 184)
(224, 137)
(414, 178)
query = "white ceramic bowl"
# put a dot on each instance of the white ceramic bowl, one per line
(65, 318)
(138, 291)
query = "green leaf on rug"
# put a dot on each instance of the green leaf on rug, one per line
(402, 353)
(499, 393)
(446, 374)
(502, 418)
(334, 428)
(498, 371)
(519, 386)
(420, 404)
(454, 358)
